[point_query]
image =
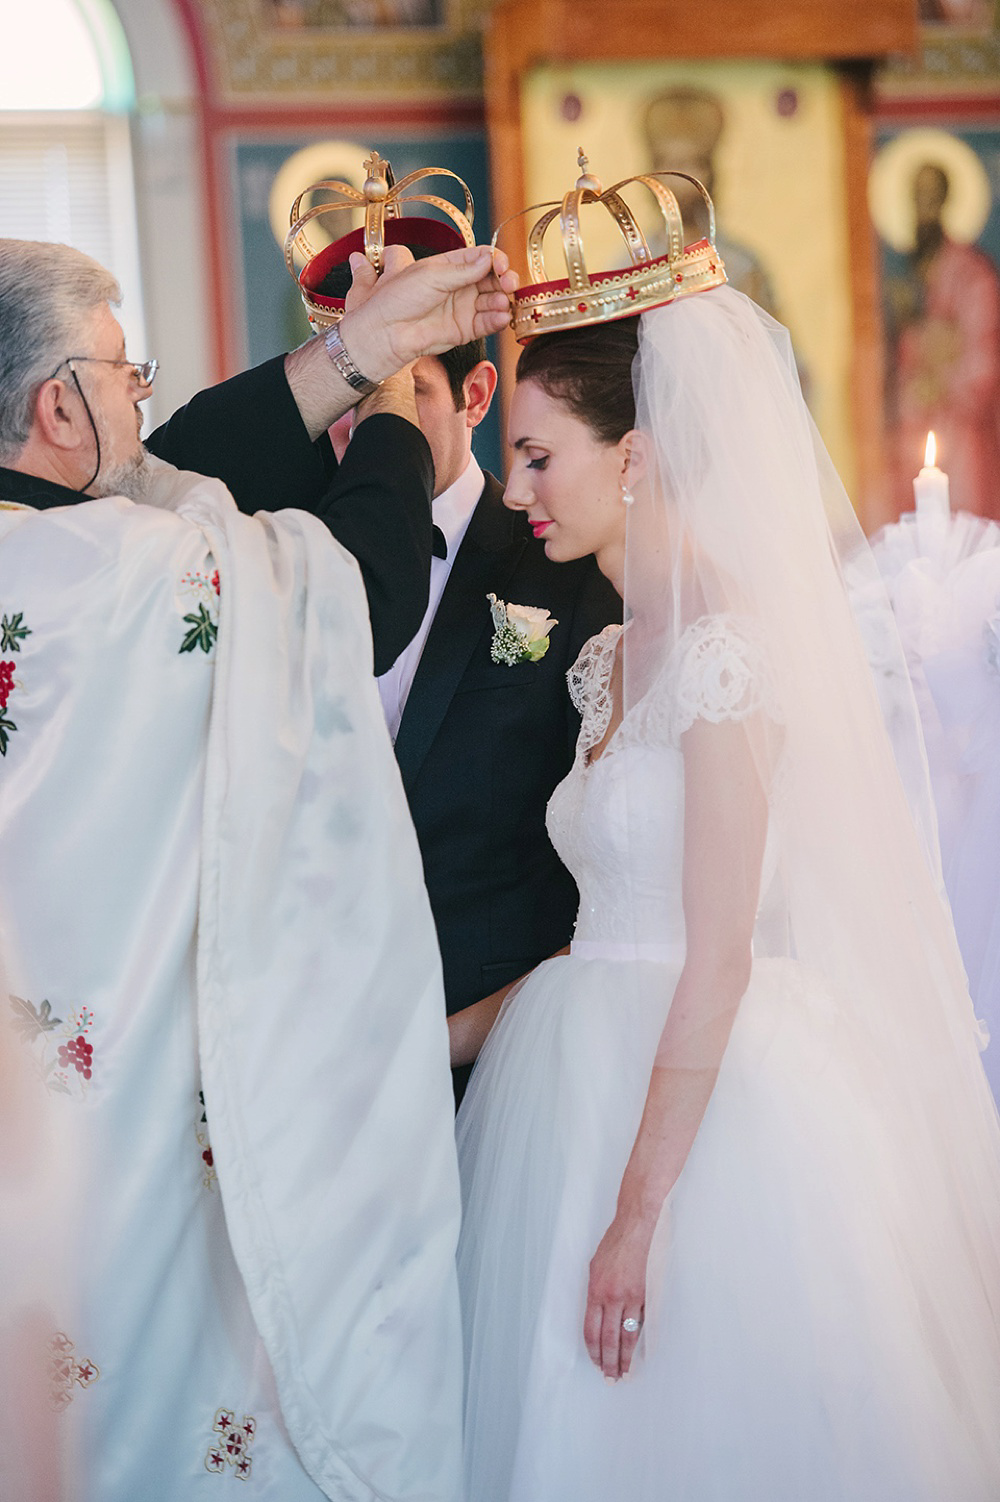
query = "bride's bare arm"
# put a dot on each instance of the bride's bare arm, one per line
(468, 1029)
(725, 828)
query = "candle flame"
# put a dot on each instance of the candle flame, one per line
(930, 452)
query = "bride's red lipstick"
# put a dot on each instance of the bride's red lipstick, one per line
(539, 527)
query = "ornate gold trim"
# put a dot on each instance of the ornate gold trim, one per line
(580, 297)
(255, 56)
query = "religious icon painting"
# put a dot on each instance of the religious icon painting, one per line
(934, 200)
(766, 140)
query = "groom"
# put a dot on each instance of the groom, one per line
(481, 745)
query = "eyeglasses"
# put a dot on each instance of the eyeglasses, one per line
(144, 373)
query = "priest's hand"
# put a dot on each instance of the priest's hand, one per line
(396, 393)
(413, 309)
(426, 307)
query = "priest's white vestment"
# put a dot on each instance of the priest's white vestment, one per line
(223, 966)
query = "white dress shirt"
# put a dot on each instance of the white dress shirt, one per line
(452, 511)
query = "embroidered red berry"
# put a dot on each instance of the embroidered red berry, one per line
(6, 682)
(80, 1054)
(207, 1158)
(215, 581)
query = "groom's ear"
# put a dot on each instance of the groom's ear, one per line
(634, 450)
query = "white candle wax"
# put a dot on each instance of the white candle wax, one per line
(930, 490)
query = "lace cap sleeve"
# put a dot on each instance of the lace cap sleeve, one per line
(589, 681)
(591, 670)
(719, 672)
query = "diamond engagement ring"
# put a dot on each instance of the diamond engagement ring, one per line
(631, 1324)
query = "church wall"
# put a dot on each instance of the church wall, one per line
(245, 85)
(167, 157)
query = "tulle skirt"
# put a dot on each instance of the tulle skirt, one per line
(786, 1355)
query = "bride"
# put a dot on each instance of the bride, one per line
(731, 1169)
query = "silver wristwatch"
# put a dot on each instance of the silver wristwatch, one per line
(337, 350)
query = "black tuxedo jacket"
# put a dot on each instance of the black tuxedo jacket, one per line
(481, 747)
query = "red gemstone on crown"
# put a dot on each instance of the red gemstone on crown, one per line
(581, 307)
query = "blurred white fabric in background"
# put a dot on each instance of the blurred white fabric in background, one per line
(943, 578)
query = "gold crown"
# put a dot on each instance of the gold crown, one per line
(384, 201)
(543, 305)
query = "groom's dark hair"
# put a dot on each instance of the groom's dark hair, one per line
(590, 371)
(457, 363)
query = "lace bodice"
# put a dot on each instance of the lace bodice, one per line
(618, 822)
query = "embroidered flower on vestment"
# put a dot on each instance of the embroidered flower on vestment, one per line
(209, 1174)
(233, 1445)
(203, 623)
(78, 1053)
(521, 632)
(65, 1372)
(62, 1052)
(12, 633)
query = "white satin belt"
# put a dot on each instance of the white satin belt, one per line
(606, 949)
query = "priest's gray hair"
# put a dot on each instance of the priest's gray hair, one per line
(46, 293)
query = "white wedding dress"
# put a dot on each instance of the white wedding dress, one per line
(784, 1356)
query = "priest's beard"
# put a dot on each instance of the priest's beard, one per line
(130, 477)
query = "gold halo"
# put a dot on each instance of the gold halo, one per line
(341, 160)
(890, 187)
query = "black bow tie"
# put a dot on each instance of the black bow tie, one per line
(439, 546)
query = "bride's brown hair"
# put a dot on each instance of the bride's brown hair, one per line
(590, 371)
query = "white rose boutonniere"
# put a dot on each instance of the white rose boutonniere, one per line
(521, 632)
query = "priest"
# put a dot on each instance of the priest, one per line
(220, 958)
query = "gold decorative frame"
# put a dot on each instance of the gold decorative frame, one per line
(255, 56)
(955, 60)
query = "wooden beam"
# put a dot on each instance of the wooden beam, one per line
(562, 31)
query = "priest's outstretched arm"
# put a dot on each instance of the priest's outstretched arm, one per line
(263, 432)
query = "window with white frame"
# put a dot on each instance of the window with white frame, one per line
(66, 92)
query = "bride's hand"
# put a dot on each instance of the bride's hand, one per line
(617, 1292)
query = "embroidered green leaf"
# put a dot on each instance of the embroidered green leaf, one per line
(203, 631)
(31, 1023)
(12, 633)
(5, 727)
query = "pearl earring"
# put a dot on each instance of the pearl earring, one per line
(628, 499)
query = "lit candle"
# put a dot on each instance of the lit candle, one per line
(930, 488)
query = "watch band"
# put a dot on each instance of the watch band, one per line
(338, 352)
